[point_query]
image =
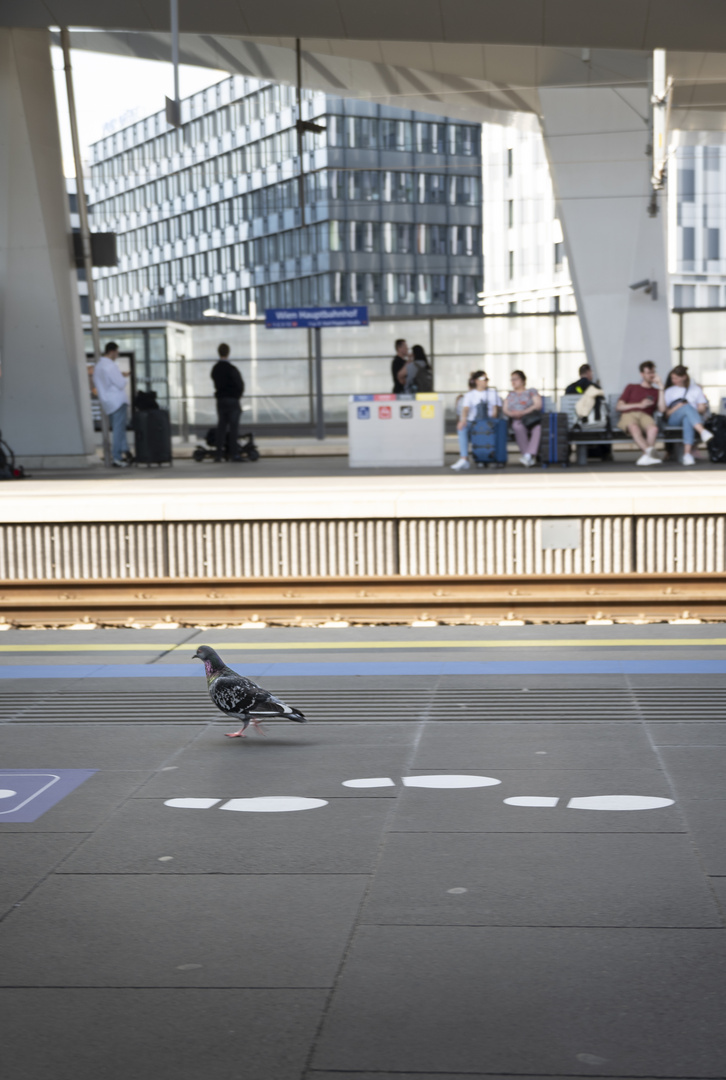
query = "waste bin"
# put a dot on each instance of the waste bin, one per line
(388, 430)
(152, 429)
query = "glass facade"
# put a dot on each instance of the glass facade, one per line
(697, 218)
(208, 215)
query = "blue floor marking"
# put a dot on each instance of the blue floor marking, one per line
(408, 667)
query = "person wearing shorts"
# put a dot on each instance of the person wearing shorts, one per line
(637, 405)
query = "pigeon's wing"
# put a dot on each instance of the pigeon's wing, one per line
(234, 694)
(273, 706)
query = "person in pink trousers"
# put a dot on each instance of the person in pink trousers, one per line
(520, 404)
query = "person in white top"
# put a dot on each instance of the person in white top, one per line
(110, 383)
(686, 405)
(479, 392)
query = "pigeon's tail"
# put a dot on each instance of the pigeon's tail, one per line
(288, 712)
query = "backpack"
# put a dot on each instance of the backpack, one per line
(598, 419)
(717, 445)
(423, 382)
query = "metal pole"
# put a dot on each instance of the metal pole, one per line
(175, 45)
(319, 415)
(301, 178)
(85, 230)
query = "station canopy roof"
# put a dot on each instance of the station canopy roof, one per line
(477, 59)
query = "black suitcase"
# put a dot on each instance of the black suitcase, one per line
(554, 446)
(153, 437)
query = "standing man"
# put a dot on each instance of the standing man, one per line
(110, 383)
(399, 365)
(637, 406)
(228, 389)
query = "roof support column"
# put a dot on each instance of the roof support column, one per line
(45, 410)
(596, 140)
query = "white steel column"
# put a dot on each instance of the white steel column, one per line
(45, 410)
(596, 140)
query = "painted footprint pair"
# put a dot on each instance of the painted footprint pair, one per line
(276, 804)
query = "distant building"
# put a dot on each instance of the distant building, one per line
(697, 225)
(525, 265)
(208, 215)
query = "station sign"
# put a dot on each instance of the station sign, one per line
(315, 317)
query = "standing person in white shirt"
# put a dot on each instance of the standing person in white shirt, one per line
(479, 391)
(686, 405)
(110, 383)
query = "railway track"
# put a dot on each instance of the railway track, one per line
(364, 600)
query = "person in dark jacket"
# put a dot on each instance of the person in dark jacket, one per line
(583, 382)
(228, 389)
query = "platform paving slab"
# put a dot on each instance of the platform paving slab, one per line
(515, 880)
(26, 860)
(706, 823)
(529, 1001)
(210, 930)
(310, 760)
(94, 746)
(340, 838)
(534, 745)
(483, 810)
(701, 768)
(688, 734)
(218, 1034)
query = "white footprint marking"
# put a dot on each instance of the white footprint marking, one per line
(449, 780)
(532, 800)
(370, 782)
(273, 804)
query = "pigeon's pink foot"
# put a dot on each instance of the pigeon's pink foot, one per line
(258, 727)
(236, 734)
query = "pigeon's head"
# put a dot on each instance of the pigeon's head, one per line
(212, 661)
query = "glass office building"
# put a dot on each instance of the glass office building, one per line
(208, 215)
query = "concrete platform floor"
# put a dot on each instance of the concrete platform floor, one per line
(511, 872)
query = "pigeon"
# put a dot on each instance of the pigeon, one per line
(237, 696)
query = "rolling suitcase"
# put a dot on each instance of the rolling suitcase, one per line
(554, 446)
(153, 437)
(488, 439)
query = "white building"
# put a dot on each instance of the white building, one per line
(525, 265)
(697, 224)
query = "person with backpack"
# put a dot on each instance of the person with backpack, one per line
(479, 393)
(228, 389)
(686, 405)
(419, 375)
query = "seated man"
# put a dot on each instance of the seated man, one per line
(583, 382)
(637, 405)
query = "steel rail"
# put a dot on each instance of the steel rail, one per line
(366, 599)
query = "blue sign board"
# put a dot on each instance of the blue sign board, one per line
(26, 794)
(315, 317)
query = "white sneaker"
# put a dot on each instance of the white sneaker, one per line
(688, 459)
(707, 436)
(644, 459)
(120, 464)
(525, 460)
(460, 465)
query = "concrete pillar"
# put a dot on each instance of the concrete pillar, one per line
(45, 412)
(596, 141)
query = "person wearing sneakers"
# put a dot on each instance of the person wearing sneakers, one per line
(479, 391)
(686, 405)
(637, 405)
(524, 409)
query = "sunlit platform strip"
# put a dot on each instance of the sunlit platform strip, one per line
(351, 646)
(678, 666)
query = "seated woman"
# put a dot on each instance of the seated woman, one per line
(520, 404)
(686, 405)
(479, 391)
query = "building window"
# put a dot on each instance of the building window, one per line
(712, 158)
(396, 135)
(406, 288)
(510, 213)
(398, 187)
(712, 244)
(362, 132)
(689, 244)
(687, 185)
(559, 255)
(511, 265)
(684, 296)
(510, 162)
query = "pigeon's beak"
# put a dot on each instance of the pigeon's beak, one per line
(196, 656)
